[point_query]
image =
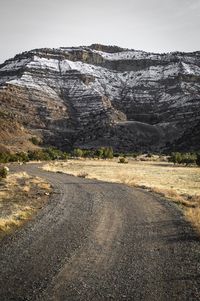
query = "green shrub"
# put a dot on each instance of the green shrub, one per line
(35, 140)
(88, 153)
(64, 156)
(183, 158)
(188, 158)
(17, 157)
(175, 158)
(3, 173)
(50, 153)
(107, 153)
(78, 152)
(103, 152)
(99, 152)
(21, 157)
(53, 153)
(38, 155)
(4, 157)
(122, 160)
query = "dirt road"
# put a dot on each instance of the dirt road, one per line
(100, 241)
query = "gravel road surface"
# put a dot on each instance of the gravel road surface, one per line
(100, 241)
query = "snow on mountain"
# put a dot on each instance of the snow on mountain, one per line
(92, 91)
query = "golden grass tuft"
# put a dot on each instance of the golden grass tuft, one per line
(193, 214)
(20, 197)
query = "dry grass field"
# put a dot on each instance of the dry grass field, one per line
(20, 197)
(178, 183)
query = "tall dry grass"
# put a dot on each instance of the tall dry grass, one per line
(20, 197)
(177, 183)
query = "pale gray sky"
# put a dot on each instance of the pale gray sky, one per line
(151, 25)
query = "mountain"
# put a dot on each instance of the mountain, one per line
(92, 96)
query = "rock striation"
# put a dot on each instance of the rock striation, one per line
(92, 96)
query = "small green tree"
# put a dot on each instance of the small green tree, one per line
(35, 140)
(87, 153)
(21, 157)
(188, 159)
(78, 152)
(64, 156)
(4, 157)
(175, 157)
(53, 153)
(99, 152)
(3, 173)
(38, 155)
(108, 153)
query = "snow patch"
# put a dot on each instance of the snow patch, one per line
(15, 64)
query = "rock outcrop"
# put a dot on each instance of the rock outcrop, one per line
(105, 95)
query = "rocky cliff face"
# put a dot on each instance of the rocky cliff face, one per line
(104, 95)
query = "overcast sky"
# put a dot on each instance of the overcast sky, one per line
(151, 25)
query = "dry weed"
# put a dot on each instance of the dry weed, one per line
(82, 175)
(193, 214)
(20, 197)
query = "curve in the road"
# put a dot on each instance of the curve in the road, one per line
(100, 241)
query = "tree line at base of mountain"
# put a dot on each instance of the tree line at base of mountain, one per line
(52, 153)
(185, 158)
